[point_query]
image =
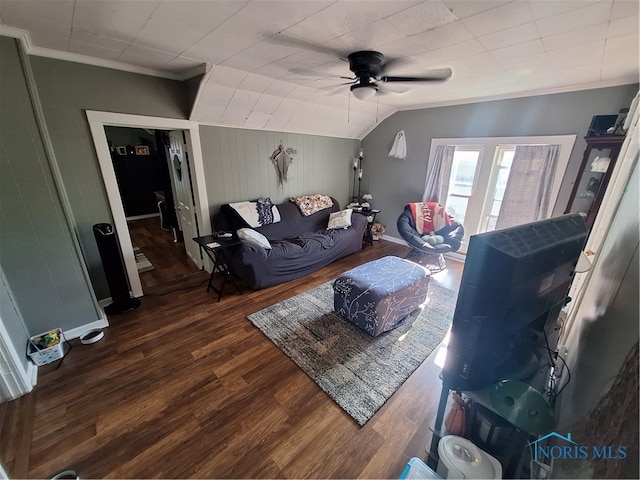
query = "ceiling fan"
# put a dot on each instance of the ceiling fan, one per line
(369, 68)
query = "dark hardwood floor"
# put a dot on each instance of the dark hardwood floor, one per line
(187, 387)
(168, 257)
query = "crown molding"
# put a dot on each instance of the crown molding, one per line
(17, 33)
(100, 62)
(516, 95)
(25, 39)
(7, 31)
(271, 129)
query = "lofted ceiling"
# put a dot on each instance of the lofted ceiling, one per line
(276, 65)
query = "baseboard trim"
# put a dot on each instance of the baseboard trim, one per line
(104, 302)
(102, 322)
(391, 239)
(76, 332)
(142, 217)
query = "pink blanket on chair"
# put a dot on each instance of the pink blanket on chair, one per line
(429, 217)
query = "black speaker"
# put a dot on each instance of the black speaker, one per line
(109, 249)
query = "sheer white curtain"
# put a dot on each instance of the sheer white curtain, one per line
(528, 191)
(436, 187)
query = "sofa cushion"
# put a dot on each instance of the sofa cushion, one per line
(249, 235)
(341, 219)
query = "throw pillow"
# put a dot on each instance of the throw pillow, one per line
(433, 240)
(249, 235)
(341, 219)
(310, 204)
(267, 212)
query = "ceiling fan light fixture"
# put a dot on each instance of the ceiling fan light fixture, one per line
(364, 92)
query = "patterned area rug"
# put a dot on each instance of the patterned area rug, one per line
(142, 263)
(359, 372)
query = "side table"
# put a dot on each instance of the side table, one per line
(367, 238)
(220, 251)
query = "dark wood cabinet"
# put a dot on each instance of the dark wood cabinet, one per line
(595, 171)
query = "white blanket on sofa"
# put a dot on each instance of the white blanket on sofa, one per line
(249, 213)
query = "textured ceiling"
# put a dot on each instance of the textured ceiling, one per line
(276, 64)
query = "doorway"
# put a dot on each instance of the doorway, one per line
(153, 189)
(192, 171)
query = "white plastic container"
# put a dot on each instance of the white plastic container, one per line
(459, 458)
(43, 356)
(417, 469)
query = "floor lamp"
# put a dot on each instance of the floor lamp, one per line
(357, 173)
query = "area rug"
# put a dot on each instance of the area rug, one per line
(359, 372)
(142, 262)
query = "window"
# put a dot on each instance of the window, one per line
(504, 156)
(463, 173)
(480, 172)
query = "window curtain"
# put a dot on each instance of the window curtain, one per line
(436, 187)
(528, 191)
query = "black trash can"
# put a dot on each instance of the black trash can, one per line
(109, 249)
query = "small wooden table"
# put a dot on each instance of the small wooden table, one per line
(220, 251)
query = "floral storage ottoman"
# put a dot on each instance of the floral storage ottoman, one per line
(379, 295)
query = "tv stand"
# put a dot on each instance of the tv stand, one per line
(432, 449)
(479, 416)
(482, 414)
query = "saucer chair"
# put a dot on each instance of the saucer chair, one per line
(430, 217)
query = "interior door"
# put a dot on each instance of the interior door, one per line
(184, 201)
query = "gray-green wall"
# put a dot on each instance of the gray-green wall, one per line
(237, 165)
(42, 266)
(394, 182)
(66, 91)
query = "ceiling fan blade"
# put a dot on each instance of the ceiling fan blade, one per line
(287, 41)
(332, 86)
(396, 89)
(316, 75)
(433, 76)
(309, 73)
(384, 92)
(392, 63)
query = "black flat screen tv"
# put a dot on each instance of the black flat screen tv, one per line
(514, 283)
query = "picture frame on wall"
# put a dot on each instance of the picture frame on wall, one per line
(142, 150)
